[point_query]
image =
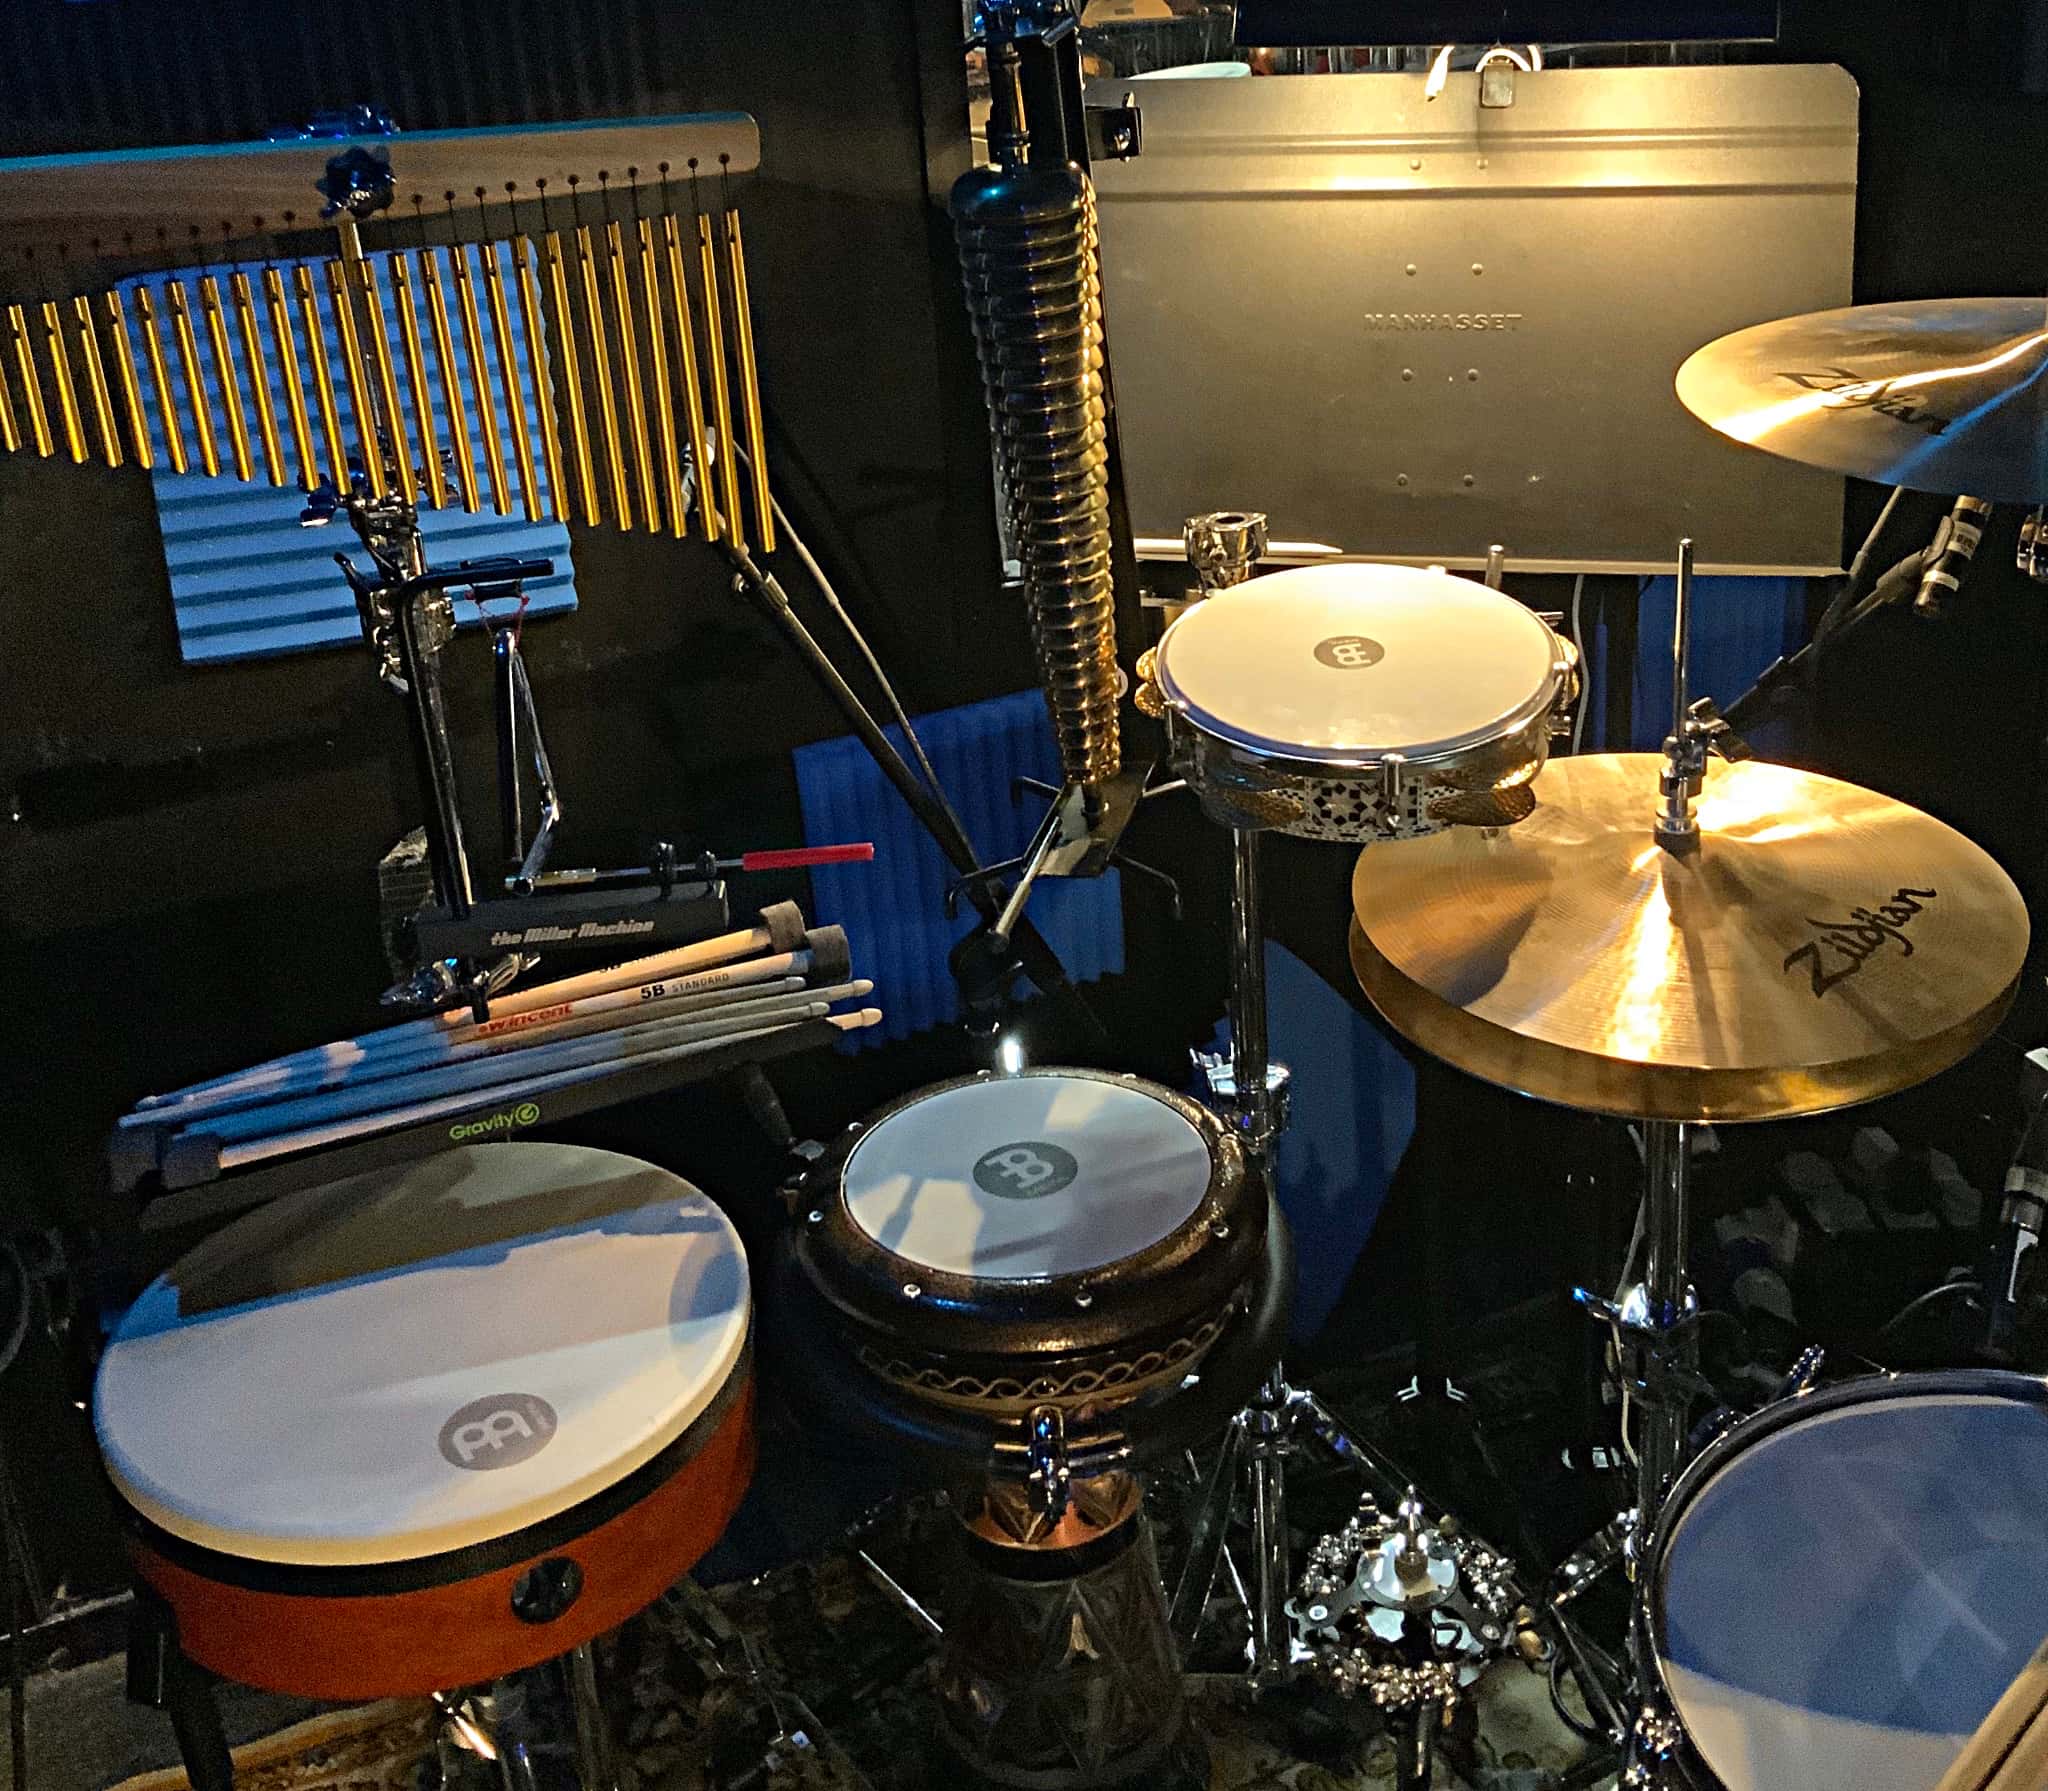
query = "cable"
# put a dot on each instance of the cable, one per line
(1559, 1666)
(1852, 584)
(1585, 665)
(1963, 1285)
(867, 653)
(826, 590)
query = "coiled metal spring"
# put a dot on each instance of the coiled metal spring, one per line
(1034, 287)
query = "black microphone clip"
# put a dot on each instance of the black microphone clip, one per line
(1948, 559)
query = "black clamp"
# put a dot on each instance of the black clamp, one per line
(498, 577)
(358, 181)
(1115, 133)
(1005, 21)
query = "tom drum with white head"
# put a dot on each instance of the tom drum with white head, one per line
(426, 1426)
(1356, 702)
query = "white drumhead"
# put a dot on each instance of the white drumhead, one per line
(1354, 662)
(417, 1360)
(1019, 1178)
(1194, 71)
(1846, 1599)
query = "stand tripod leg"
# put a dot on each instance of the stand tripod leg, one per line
(1272, 1649)
(1414, 1733)
(1206, 1539)
(161, 1677)
(1330, 1430)
(593, 1733)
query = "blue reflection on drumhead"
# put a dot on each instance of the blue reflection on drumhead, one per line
(1886, 1563)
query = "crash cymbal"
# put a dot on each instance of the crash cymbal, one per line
(1823, 944)
(1944, 395)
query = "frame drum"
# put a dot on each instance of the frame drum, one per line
(1845, 1584)
(421, 1428)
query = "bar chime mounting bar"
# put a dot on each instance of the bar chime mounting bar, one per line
(309, 311)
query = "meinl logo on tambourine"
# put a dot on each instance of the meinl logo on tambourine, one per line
(1349, 652)
(1025, 1171)
(1843, 947)
(498, 1431)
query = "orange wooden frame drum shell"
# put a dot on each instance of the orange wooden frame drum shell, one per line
(345, 1644)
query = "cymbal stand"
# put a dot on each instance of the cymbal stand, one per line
(1661, 1313)
(1655, 1320)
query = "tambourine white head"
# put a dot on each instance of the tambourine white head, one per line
(1353, 662)
(1286, 691)
(1029, 1177)
(421, 1359)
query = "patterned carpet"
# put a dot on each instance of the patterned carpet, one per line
(376, 1747)
(702, 1685)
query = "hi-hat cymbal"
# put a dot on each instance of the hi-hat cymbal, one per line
(1822, 945)
(1944, 395)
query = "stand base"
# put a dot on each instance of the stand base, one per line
(1252, 1466)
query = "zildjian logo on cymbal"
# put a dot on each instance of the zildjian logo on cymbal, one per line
(1845, 946)
(1851, 391)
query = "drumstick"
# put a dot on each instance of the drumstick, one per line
(595, 1013)
(464, 1078)
(347, 1062)
(208, 1161)
(751, 1001)
(782, 931)
(2009, 1741)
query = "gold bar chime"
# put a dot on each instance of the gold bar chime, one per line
(628, 393)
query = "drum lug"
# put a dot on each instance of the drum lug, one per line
(1051, 1476)
(1654, 1744)
(1570, 687)
(1393, 781)
(1804, 1374)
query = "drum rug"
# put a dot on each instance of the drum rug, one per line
(373, 1747)
(817, 1675)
